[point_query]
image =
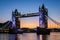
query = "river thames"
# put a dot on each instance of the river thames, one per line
(29, 36)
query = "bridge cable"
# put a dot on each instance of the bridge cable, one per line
(53, 20)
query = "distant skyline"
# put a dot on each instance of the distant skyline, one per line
(28, 6)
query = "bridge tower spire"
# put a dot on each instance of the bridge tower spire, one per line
(42, 17)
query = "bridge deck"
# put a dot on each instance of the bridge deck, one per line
(29, 15)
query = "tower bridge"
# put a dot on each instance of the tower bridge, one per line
(43, 19)
(43, 22)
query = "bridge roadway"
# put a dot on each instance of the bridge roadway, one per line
(29, 15)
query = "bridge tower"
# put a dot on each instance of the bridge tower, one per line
(15, 21)
(43, 12)
(43, 22)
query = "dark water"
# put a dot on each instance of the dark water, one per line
(29, 36)
(24, 36)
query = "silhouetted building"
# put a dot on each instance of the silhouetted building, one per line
(43, 13)
(15, 19)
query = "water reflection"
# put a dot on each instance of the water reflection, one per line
(38, 37)
(29, 36)
(4, 36)
(24, 36)
(12, 36)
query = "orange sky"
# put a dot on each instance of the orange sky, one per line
(27, 23)
(53, 25)
(34, 24)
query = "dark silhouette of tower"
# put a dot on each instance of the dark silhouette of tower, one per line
(43, 12)
(43, 23)
(15, 21)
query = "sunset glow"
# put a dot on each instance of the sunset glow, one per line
(29, 6)
(35, 22)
